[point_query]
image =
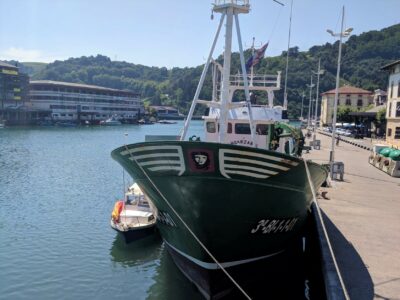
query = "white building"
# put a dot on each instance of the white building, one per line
(81, 102)
(348, 96)
(393, 104)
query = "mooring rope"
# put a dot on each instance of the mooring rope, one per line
(188, 228)
(324, 229)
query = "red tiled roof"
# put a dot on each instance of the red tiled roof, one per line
(347, 89)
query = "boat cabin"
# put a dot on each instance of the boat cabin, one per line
(269, 136)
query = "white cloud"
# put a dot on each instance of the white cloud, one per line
(30, 55)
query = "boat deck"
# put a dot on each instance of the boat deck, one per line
(362, 216)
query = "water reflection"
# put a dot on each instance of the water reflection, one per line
(136, 253)
(170, 283)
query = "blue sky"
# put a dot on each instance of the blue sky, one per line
(170, 32)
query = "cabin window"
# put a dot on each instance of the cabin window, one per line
(229, 127)
(211, 127)
(242, 128)
(389, 132)
(262, 129)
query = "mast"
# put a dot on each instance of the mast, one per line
(228, 9)
(252, 67)
(226, 73)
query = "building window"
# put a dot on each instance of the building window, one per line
(398, 109)
(389, 132)
(348, 101)
(397, 133)
(211, 127)
(391, 90)
(398, 89)
(389, 110)
(359, 102)
(242, 128)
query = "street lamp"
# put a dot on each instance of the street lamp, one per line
(341, 34)
(311, 85)
(318, 73)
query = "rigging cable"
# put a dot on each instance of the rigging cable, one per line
(186, 226)
(324, 230)
(275, 24)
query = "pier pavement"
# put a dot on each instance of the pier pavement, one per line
(362, 216)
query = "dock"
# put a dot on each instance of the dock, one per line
(362, 216)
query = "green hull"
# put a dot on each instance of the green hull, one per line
(242, 203)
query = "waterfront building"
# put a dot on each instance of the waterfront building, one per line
(393, 104)
(81, 102)
(167, 112)
(13, 86)
(15, 108)
(348, 96)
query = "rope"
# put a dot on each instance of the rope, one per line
(188, 228)
(324, 229)
(273, 30)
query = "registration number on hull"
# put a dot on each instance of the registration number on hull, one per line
(275, 225)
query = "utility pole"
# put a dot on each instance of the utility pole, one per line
(311, 85)
(318, 73)
(302, 102)
(341, 35)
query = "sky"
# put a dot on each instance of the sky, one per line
(171, 33)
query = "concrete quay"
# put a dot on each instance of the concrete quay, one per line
(362, 217)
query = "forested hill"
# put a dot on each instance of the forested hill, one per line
(363, 56)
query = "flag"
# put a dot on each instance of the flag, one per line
(258, 55)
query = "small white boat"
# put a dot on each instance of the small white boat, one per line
(113, 121)
(133, 217)
(166, 122)
(2, 124)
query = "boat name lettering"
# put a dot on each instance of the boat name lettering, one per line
(275, 225)
(165, 218)
(242, 142)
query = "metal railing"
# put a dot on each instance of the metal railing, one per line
(257, 80)
(236, 2)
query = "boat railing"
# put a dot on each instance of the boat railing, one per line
(257, 81)
(236, 2)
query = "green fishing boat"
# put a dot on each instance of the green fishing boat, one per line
(240, 197)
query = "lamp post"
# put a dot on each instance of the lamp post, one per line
(341, 35)
(318, 73)
(311, 85)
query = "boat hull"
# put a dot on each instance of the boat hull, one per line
(134, 234)
(244, 204)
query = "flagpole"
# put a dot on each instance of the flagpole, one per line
(252, 67)
(287, 59)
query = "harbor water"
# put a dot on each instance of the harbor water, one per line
(57, 189)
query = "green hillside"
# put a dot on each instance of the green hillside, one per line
(363, 56)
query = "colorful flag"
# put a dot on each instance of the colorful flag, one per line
(258, 55)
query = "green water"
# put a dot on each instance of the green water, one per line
(57, 189)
